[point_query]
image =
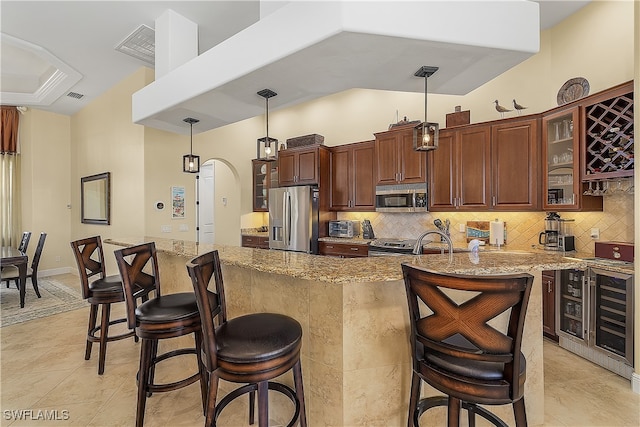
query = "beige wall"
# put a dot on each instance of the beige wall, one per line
(46, 185)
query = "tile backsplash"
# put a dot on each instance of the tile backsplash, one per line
(615, 223)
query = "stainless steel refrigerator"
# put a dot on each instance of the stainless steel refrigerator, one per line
(294, 219)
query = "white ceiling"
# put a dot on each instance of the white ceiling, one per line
(83, 34)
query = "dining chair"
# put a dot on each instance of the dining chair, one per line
(11, 272)
(22, 247)
(458, 352)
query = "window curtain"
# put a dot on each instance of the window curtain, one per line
(9, 171)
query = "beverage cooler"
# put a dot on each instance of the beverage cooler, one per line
(572, 305)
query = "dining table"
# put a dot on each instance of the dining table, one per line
(19, 259)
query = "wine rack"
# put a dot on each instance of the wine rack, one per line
(609, 145)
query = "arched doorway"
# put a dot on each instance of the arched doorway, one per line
(218, 204)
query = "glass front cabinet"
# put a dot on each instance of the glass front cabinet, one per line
(561, 163)
(265, 176)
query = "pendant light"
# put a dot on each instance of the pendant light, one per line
(267, 148)
(425, 135)
(191, 163)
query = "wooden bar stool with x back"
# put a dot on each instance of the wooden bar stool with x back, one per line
(252, 349)
(457, 352)
(99, 290)
(158, 318)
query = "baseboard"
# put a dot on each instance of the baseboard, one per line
(54, 271)
(635, 383)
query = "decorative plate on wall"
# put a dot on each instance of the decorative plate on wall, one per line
(573, 89)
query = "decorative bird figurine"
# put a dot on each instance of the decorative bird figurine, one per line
(518, 107)
(500, 109)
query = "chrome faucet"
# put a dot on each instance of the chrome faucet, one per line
(417, 249)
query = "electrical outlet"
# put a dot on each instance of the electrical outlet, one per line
(58, 258)
(595, 233)
(165, 229)
(462, 228)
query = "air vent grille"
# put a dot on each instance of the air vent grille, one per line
(140, 44)
(75, 95)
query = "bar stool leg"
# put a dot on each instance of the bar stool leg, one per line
(104, 334)
(263, 404)
(297, 380)
(93, 314)
(453, 412)
(203, 371)
(146, 351)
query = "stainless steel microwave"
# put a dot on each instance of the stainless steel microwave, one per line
(401, 198)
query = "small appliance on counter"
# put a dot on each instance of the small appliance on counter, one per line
(557, 234)
(348, 229)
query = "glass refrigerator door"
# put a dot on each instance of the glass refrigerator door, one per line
(571, 307)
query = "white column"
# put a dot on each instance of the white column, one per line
(176, 42)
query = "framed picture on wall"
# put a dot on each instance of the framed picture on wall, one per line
(177, 202)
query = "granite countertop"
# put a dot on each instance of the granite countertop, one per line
(346, 240)
(255, 233)
(354, 270)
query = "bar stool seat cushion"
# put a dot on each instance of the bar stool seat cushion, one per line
(108, 284)
(167, 308)
(257, 338)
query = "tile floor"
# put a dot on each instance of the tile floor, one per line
(43, 368)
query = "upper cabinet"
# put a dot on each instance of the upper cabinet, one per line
(487, 166)
(398, 162)
(608, 134)
(265, 176)
(562, 189)
(515, 165)
(303, 165)
(459, 170)
(353, 177)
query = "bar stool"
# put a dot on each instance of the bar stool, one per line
(101, 292)
(454, 349)
(162, 317)
(252, 349)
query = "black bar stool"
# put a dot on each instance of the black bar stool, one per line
(162, 317)
(99, 290)
(252, 349)
(454, 349)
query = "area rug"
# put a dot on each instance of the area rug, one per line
(56, 298)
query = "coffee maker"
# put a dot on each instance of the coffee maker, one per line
(557, 235)
(549, 237)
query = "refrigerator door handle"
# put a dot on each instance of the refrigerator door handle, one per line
(286, 218)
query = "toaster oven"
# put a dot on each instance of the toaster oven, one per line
(344, 229)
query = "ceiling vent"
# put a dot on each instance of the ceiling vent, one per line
(141, 44)
(75, 95)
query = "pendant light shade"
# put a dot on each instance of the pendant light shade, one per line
(425, 135)
(191, 163)
(267, 148)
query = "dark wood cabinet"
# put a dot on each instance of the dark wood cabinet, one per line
(397, 161)
(303, 165)
(260, 242)
(459, 170)
(487, 166)
(343, 250)
(515, 162)
(353, 177)
(265, 176)
(549, 304)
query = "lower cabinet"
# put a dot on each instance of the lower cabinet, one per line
(549, 304)
(343, 250)
(260, 242)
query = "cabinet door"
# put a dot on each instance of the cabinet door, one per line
(387, 157)
(549, 304)
(413, 164)
(363, 180)
(514, 164)
(473, 168)
(442, 169)
(340, 178)
(286, 168)
(307, 167)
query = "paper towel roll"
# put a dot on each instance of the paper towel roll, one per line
(496, 232)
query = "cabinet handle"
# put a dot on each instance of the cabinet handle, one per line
(573, 199)
(494, 200)
(329, 247)
(549, 286)
(354, 249)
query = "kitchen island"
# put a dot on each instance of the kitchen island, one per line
(356, 355)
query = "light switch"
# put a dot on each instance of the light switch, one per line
(165, 229)
(462, 228)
